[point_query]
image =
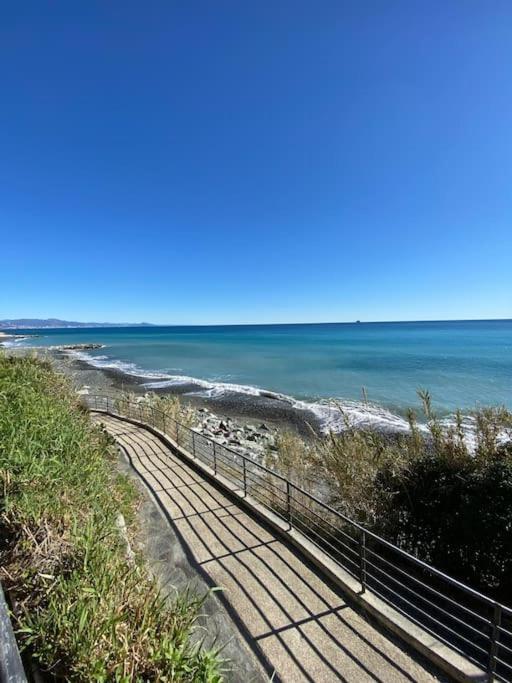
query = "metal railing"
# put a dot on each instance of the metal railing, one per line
(467, 621)
(11, 665)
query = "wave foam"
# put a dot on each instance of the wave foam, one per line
(107, 363)
(332, 414)
(11, 343)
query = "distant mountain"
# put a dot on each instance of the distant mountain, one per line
(54, 322)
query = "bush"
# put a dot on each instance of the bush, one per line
(428, 491)
(455, 513)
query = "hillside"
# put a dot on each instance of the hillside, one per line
(36, 323)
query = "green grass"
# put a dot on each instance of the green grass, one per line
(85, 610)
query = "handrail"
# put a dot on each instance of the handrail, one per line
(460, 628)
(11, 666)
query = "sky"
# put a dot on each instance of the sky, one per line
(242, 162)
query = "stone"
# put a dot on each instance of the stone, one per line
(81, 347)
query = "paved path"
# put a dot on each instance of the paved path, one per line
(303, 627)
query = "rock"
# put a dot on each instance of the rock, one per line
(81, 347)
(253, 447)
(244, 439)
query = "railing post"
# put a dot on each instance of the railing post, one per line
(193, 444)
(214, 459)
(495, 636)
(362, 560)
(244, 460)
(288, 503)
(178, 433)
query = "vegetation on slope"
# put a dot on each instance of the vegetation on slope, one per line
(427, 491)
(430, 491)
(86, 610)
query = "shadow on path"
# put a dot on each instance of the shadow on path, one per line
(300, 626)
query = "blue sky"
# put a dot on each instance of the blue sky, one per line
(203, 162)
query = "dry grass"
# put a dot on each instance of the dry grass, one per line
(427, 490)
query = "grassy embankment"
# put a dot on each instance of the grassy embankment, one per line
(86, 610)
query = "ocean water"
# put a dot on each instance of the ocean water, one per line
(462, 364)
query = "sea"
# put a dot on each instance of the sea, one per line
(372, 371)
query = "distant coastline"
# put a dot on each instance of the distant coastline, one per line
(56, 324)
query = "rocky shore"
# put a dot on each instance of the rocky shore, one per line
(76, 347)
(243, 410)
(247, 439)
(248, 425)
(11, 336)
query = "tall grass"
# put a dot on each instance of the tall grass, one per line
(428, 490)
(85, 610)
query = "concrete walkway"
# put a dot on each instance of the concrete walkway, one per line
(301, 626)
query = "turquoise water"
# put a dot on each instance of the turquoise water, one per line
(461, 363)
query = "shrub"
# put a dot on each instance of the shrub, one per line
(429, 490)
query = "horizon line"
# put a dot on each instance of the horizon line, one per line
(77, 324)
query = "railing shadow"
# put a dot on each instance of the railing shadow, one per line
(468, 622)
(251, 551)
